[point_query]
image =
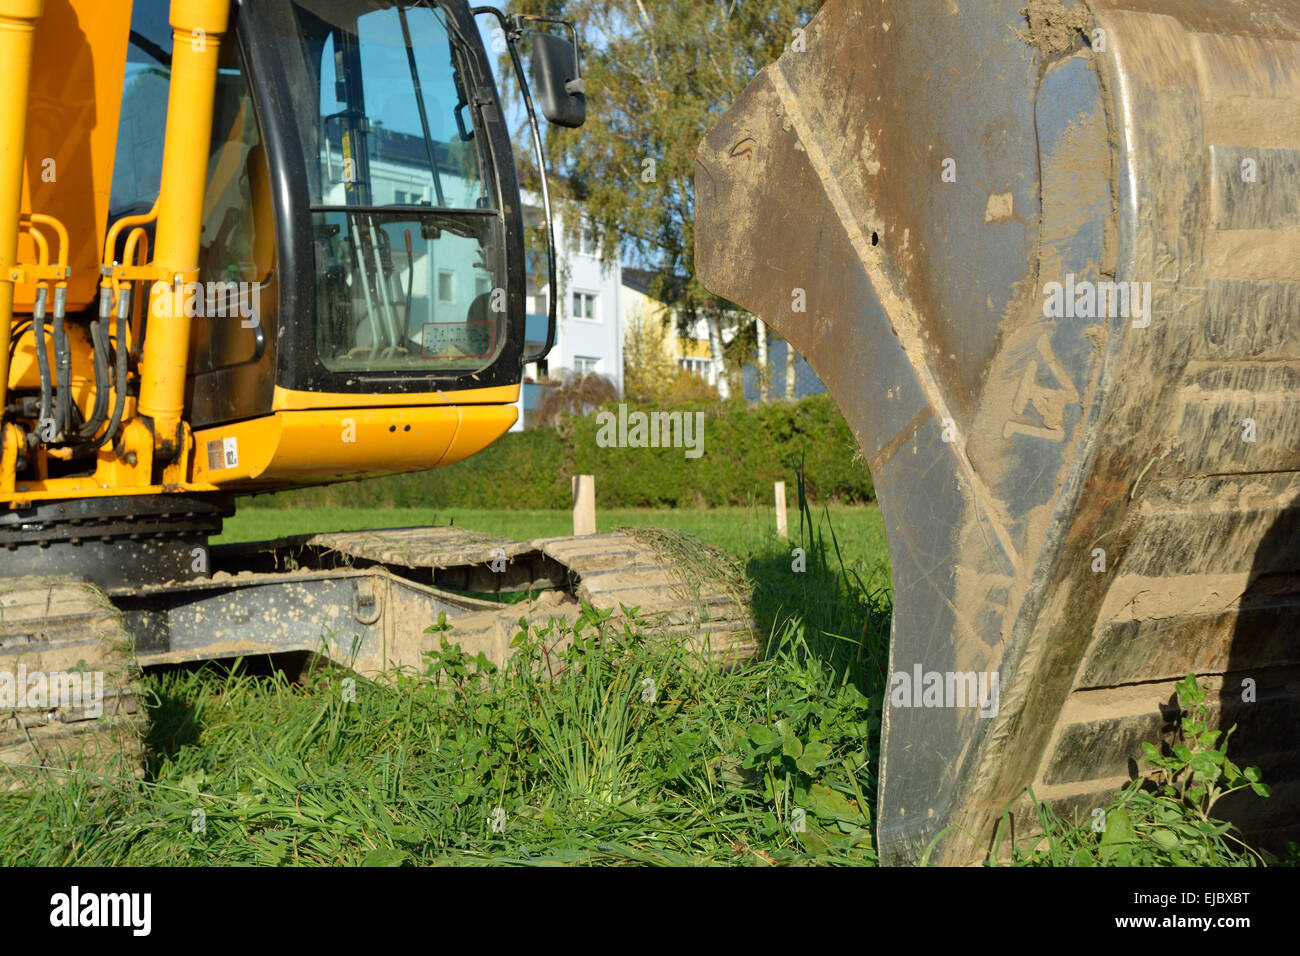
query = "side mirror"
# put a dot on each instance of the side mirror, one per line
(560, 91)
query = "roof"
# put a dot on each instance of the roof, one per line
(645, 281)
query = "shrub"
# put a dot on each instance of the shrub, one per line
(746, 449)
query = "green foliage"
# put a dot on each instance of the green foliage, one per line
(649, 366)
(686, 388)
(746, 449)
(598, 744)
(659, 74)
(1197, 773)
(1164, 819)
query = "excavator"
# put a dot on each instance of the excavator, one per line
(247, 247)
(1046, 257)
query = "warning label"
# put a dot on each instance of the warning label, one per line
(445, 340)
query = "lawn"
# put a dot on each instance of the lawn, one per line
(744, 532)
(635, 754)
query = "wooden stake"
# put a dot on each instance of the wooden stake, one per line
(782, 531)
(584, 504)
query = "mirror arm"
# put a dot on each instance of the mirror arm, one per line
(510, 25)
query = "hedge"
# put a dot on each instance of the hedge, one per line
(746, 448)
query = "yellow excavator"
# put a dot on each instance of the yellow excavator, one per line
(252, 246)
(1046, 256)
(244, 247)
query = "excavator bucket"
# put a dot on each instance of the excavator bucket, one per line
(1047, 260)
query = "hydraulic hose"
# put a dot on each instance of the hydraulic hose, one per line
(42, 363)
(119, 382)
(63, 358)
(99, 348)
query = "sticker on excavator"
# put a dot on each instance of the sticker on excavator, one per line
(446, 340)
(223, 453)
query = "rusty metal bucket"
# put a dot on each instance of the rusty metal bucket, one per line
(1049, 267)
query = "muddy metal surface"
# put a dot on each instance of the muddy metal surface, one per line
(1086, 498)
(365, 599)
(67, 694)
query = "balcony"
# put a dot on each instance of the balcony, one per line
(533, 396)
(534, 330)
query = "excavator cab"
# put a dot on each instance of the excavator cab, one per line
(333, 288)
(398, 213)
(359, 206)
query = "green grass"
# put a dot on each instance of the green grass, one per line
(629, 751)
(744, 532)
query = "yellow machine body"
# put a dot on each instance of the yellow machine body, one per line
(58, 146)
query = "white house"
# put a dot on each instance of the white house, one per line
(589, 320)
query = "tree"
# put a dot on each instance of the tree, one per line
(659, 73)
(574, 396)
(650, 371)
(648, 365)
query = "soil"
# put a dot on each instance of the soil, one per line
(1052, 27)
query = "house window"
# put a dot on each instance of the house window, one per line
(446, 286)
(482, 285)
(587, 240)
(584, 306)
(582, 364)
